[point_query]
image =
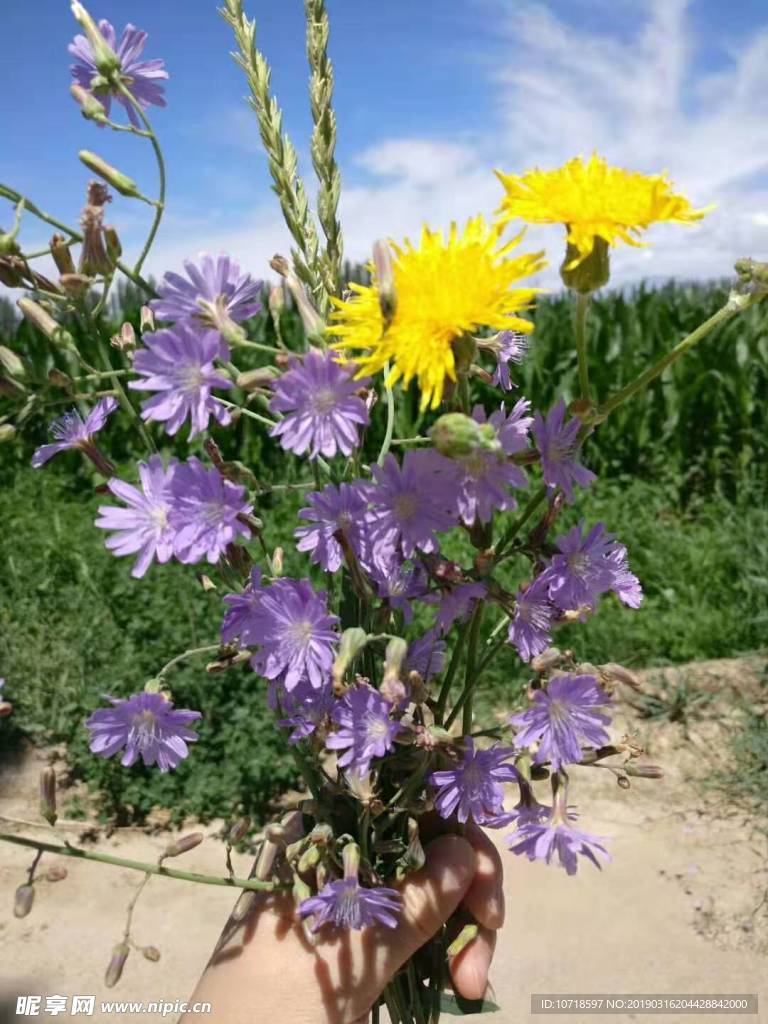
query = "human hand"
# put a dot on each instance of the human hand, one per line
(265, 969)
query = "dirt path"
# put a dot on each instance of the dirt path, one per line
(677, 911)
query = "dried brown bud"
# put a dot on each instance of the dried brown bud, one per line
(5, 708)
(125, 340)
(56, 873)
(23, 900)
(258, 378)
(59, 379)
(151, 953)
(112, 240)
(243, 906)
(238, 830)
(547, 660)
(61, 255)
(48, 795)
(623, 782)
(75, 285)
(644, 771)
(116, 964)
(275, 832)
(266, 860)
(183, 845)
(611, 672)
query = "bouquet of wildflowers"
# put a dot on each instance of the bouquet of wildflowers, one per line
(378, 707)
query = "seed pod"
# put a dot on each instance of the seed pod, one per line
(56, 873)
(23, 900)
(243, 906)
(48, 795)
(238, 830)
(183, 845)
(151, 953)
(116, 964)
(266, 860)
(120, 182)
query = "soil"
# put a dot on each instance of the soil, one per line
(681, 909)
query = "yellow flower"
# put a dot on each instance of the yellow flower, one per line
(594, 199)
(443, 289)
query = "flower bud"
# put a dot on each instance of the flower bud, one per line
(547, 660)
(120, 182)
(11, 272)
(90, 107)
(56, 873)
(458, 436)
(300, 890)
(385, 279)
(310, 318)
(644, 771)
(394, 656)
(206, 583)
(44, 322)
(353, 640)
(146, 319)
(243, 906)
(125, 341)
(238, 831)
(7, 432)
(48, 795)
(151, 953)
(116, 964)
(104, 57)
(112, 241)
(275, 832)
(462, 940)
(266, 860)
(259, 378)
(310, 858)
(62, 255)
(588, 274)
(11, 363)
(611, 672)
(59, 379)
(75, 285)
(276, 301)
(350, 858)
(183, 845)
(277, 562)
(464, 352)
(23, 900)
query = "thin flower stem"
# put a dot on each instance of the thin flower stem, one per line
(160, 204)
(193, 652)
(730, 309)
(123, 398)
(450, 675)
(137, 865)
(470, 674)
(247, 412)
(411, 440)
(259, 347)
(582, 305)
(132, 906)
(9, 193)
(387, 442)
(509, 535)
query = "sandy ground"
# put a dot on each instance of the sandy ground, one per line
(682, 908)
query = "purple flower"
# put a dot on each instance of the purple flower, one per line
(513, 346)
(528, 809)
(562, 717)
(543, 840)
(426, 655)
(346, 904)
(305, 708)
(71, 431)
(473, 789)
(411, 503)
(330, 511)
(144, 526)
(140, 76)
(365, 728)
(322, 410)
(296, 633)
(399, 583)
(215, 292)
(178, 364)
(144, 724)
(205, 512)
(239, 618)
(556, 442)
(531, 625)
(587, 567)
(456, 603)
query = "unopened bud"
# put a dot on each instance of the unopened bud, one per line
(589, 273)
(462, 940)
(613, 672)
(259, 378)
(104, 57)
(151, 953)
(385, 279)
(112, 241)
(353, 640)
(394, 656)
(56, 873)
(206, 582)
(62, 255)
(11, 388)
(266, 860)
(11, 271)
(7, 432)
(276, 300)
(120, 182)
(301, 890)
(238, 831)
(458, 436)
(275, 832)
(59, 379)
(23, 900)
(48, 795)
(243, 906)
(547, 660)
(44, 322)
(125, 340)
(643, 771)
(75, 285)
(350, 858)
(277, 562)
(90, 107)
(116, 964)
(309, 858)
(146, 319)
(314, 326)
(183, 845)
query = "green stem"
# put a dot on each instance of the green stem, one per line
(191, 653)
(137, 865)
(387, 442)
(582, 305)
(450, 675)
(509, 535)
(470, 675)
(8, 193)
(160, 204)
(411, 440)
(123, 398)
(247, 412)
(730, 309)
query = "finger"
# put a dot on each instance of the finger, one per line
(430, 896)
(485, 897)
(469, 968)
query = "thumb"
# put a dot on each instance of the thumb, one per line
(430, 896)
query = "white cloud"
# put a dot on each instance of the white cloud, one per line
(562, 89)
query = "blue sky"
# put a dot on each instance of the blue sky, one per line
(430, 97)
